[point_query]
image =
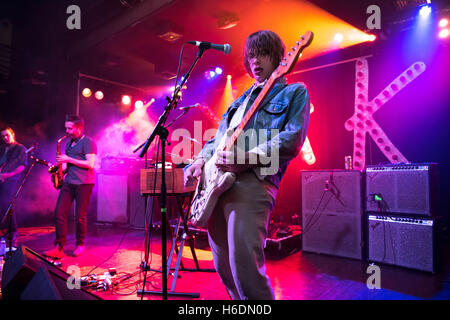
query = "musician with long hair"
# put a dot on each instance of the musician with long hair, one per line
(13, 161)
(78, 165)
(237, 227)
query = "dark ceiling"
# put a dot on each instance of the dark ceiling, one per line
(126, 40)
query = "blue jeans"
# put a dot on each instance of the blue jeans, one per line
(237, 230)
(70, 192)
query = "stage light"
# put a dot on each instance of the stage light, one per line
(126, 100)
(338, 37)
(212, 74)
(86, 92)
(99, 95)
(425, 11)
(229, 77)
(139, 104)
(219, 70)
(371, 37)
(443, 33)
(443, 23)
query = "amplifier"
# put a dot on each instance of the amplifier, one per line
(410, 189)
(151, 181)
(112, 197)
(403, 241)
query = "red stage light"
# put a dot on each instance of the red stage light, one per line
(443, 22)
(99, 95)
(126, 100)
(138, 104)
(443, 33)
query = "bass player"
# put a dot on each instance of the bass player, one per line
(13, 161)
(237, 227)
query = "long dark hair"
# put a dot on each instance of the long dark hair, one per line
(263, 42)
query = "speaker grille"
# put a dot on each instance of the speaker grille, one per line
(402, 241)
(404, 189)
(332, 213)
(112, 198)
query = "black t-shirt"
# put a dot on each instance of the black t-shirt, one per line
(13, 158)
(78, 150)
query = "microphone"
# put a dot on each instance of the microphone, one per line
(208, 45)
(46, 163)
(31, 149)
(197, 105)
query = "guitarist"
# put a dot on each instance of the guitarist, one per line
(78, 161)
(13, 161)
(237, 228)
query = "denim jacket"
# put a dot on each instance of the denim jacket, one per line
(279, 125)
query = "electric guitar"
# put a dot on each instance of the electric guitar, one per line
(213, 181)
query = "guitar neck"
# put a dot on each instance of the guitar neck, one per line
(255, 105)
(285, 66)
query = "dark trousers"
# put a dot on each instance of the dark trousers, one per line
(7, 191)
(70, 192)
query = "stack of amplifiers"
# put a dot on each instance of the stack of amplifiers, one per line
(332, 212)
(401, 206)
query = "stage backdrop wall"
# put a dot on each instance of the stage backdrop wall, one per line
(416, 119)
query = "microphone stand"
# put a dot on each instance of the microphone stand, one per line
(163, 133)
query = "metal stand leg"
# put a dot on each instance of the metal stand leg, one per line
(179, 253)
(184, 217)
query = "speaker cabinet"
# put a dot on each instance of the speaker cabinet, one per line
(136, 203)
(332, 212)
(403, 241)
(409, 189)
(29, 276)
(112, 198)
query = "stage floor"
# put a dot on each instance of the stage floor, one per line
(298, 276)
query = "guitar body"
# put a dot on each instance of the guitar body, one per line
(213, 181)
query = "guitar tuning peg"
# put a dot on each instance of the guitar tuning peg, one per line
(298, 42)
(289, 53)
(294, 48)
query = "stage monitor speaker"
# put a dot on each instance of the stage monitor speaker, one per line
(112, 198)
(409, 189)
(332, 212)
(29, 276)
(403, 241)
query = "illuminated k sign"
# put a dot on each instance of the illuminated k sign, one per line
(362, 122)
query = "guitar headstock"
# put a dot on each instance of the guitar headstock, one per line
(289, 61)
